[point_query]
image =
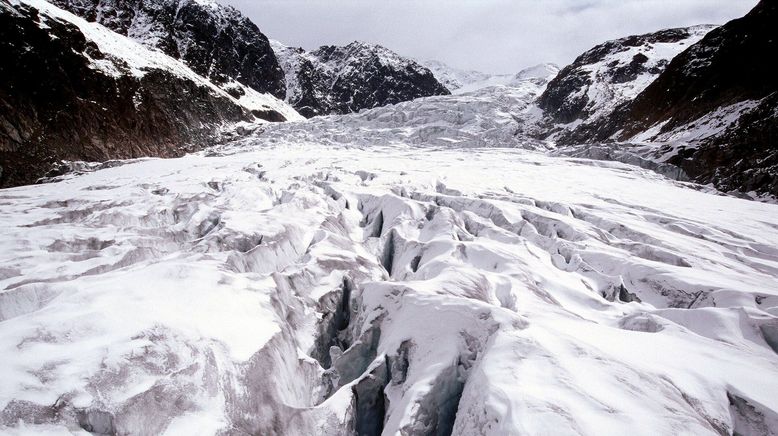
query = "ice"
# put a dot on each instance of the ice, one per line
(326, 277)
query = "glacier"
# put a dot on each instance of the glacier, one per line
(387, 272)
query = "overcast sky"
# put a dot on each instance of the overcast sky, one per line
(500, 36)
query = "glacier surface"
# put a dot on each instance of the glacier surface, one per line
(387, 272)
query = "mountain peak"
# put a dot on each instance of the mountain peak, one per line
(342, 79)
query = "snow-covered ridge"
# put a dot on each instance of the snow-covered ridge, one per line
(214, 40)
(454, 78)
(357, 76)
(611, 74)
(127, 56)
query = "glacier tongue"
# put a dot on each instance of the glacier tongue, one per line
(285, 285)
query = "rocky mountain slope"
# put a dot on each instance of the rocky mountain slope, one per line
(215, 41)
(340, 80)
(716, 104)
(78, 91)
(606, 76)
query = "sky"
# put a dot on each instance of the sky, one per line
(497, 36)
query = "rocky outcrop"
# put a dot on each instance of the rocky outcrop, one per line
(598, 81)
(65, 96)
(724, 79)
(215, 41)
(715, 104)
(340, 80)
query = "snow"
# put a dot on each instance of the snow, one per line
(460, 81)
(488, 117)
(598, 84)
(454, 78)
(419, 268)
(126, 56)
(488, 291)
(709, 125)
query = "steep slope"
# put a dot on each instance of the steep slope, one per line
(720, 99)
(292, 287)
(606, 76)
(77, 91)
(339, 80)
(215, 41)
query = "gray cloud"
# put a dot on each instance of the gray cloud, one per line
(489, 35)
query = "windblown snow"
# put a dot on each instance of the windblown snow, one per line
(316, 279)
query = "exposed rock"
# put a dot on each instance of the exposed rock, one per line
(716, 101)
(215, 41)
(611, 73)
(340, 80)
(65, 97)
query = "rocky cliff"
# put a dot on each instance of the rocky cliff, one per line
(215, 41)
(339, 80)
(77, 91)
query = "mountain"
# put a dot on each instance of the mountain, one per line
(715, 106)
(460, 81)
(541, 74)
(609, 74)
(78, 91)
(486, 117)
(455, 78)
(340, 80)
(215, 41)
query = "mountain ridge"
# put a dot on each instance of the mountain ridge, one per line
(344, 79)
(79, 91)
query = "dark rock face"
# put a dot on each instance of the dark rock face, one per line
(566, 98)
(55, 105)
(728, 67)
(743, 158)
(215, 41)
(340, 80)
(725, 67)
